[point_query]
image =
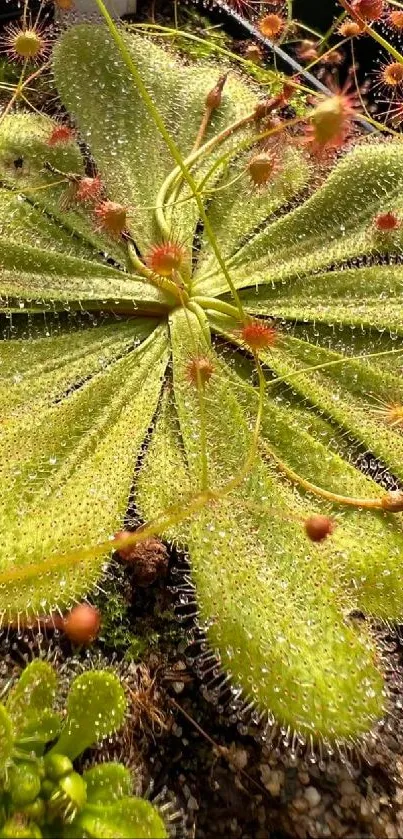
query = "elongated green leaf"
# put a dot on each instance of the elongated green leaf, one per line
(355, 296)
(32, 274)
(333, 225)
(128, 149)
(66, 473)
(164, 456)
(39, 372)
(305, 443)
(281, 638)
(49, 199)
(354, 393)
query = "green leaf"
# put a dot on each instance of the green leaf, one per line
(6, 738)
(131, 155)
(96, 706)
(125, 819)
(350, 393)
(314, 449)
(107, 782)
(66, 471)
(333, 225)
(238, 208)
(40, 371)
(164, 456)
(284, 641)
(38, 730)
(32, 694)
(48, 199)
(31, 273)
(368, 297)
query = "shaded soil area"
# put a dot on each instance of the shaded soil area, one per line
(228, 777)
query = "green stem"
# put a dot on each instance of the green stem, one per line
(201, 397)
(192, 158)
(383, 503)
(217, 306)
(194, 307)
(231, 485)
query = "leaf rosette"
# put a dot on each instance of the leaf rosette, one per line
(101, 355)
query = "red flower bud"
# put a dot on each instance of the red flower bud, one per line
(166, 258)
(318, 527)
(82, 624)
(258, 335)
(386, 221)
(200, 369)
(214, 97)
(112, 217)
(368, 9)
(60, 134)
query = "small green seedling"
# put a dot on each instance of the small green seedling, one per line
(41, 794)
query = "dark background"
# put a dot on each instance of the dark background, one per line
(316, 13)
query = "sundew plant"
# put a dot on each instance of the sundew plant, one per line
(201, 321)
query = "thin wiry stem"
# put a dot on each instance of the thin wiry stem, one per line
(386, 503)
(202, 410)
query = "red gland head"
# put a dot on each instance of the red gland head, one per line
(199, 369)
(112, 217)
(349, 29)
(261, 167)
(318, 527)
(82, 624)
(258, 335)
(330, 121)
(368, 9)
(166, 258)
(60, 134)
(307, 50)
(271, 25)
(89, 189)
(396, 18)
(386, 221)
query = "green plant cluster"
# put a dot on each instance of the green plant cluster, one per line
(41, 793)
(104, 354)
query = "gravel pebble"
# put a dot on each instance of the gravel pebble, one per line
(312, 796)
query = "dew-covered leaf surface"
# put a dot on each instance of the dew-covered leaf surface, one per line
(99, 398)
